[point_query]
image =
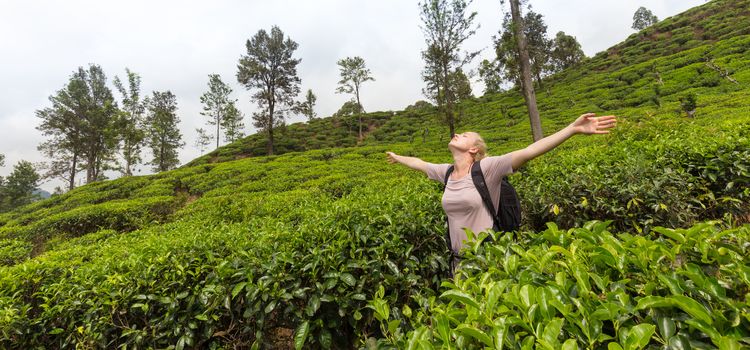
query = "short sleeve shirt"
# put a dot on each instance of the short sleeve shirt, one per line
(461, 201)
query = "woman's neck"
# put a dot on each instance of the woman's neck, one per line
(462, 162)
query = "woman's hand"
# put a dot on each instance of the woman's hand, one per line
(391, 157)
(590, 124)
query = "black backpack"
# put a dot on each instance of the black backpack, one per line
(507, 216)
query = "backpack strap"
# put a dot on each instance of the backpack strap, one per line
(448, 230)
(484, 192)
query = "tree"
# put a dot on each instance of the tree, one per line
(566, 52)
(19, 186)
(526, 84)
(490, 74)
(353, 73)
(643, 18)
(2, 163)
(307, 107)
(203, 139)
(132, 121)
(537, 43)
(232, 123)
(101, 124)
(164, 137)
(270, 68)
(462, 85)
(348, 109)
(216, 106)
(446, 25)
(83, 124)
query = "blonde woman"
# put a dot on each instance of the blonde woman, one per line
(461, 201)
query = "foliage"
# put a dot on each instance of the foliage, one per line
(17, 189)
(132, 123)
(83, 123)
(643, 18)
(307, 107)
(566, 52)
(164, 136)
(270, 68)
(327, 246)
(220, 109)
(586, 288)
(446, 25)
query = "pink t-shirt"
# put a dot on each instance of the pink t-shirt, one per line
(461, 201)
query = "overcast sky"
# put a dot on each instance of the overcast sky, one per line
(174, 45)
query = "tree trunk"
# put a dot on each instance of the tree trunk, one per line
(270, 127)
(526, 83)
(361, 111)
(218, 120)
(72, 183)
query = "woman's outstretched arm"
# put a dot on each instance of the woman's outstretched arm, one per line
(411, 162)
(585, 124)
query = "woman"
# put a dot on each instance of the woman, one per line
(462, 203)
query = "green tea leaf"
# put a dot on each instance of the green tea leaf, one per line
(693, 308)
(475, 333)
(460, 297)
(300, 335)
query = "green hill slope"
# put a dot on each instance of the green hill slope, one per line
(232, 250)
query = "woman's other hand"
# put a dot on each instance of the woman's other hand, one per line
(391, 157)
(589, 124)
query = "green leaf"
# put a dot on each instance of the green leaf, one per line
(475, 333)
(393, 326)
(728, 343)
(666, 326)
(460, 297)
(679, 342)
(614, 346)
(693, 308)
(300, 335)
(313, 304)
(641, 334)
(56, 331)
(238, 288)
(348, 279)
(653, 301)
(551, 331)
(570, 344)
(270, 306)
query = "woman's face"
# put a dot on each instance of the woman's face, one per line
(463, 141)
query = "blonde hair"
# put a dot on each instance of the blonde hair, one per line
(481, 148)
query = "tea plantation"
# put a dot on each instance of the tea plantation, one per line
(638, 239)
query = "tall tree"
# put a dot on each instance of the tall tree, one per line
(164, 137)
(19, 186)
(215, 103)
(232, 123)
(132, 121)
(566, 52)
(643, 18)
(101, 124)
(538, 44)
(446, 25)
(83, 125)
(307, 107)
(270, 68)
(203, 139)
(353, 73)
(526, 83)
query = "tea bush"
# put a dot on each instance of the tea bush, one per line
(585, 288)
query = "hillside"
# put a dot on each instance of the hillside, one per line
(335, 248)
